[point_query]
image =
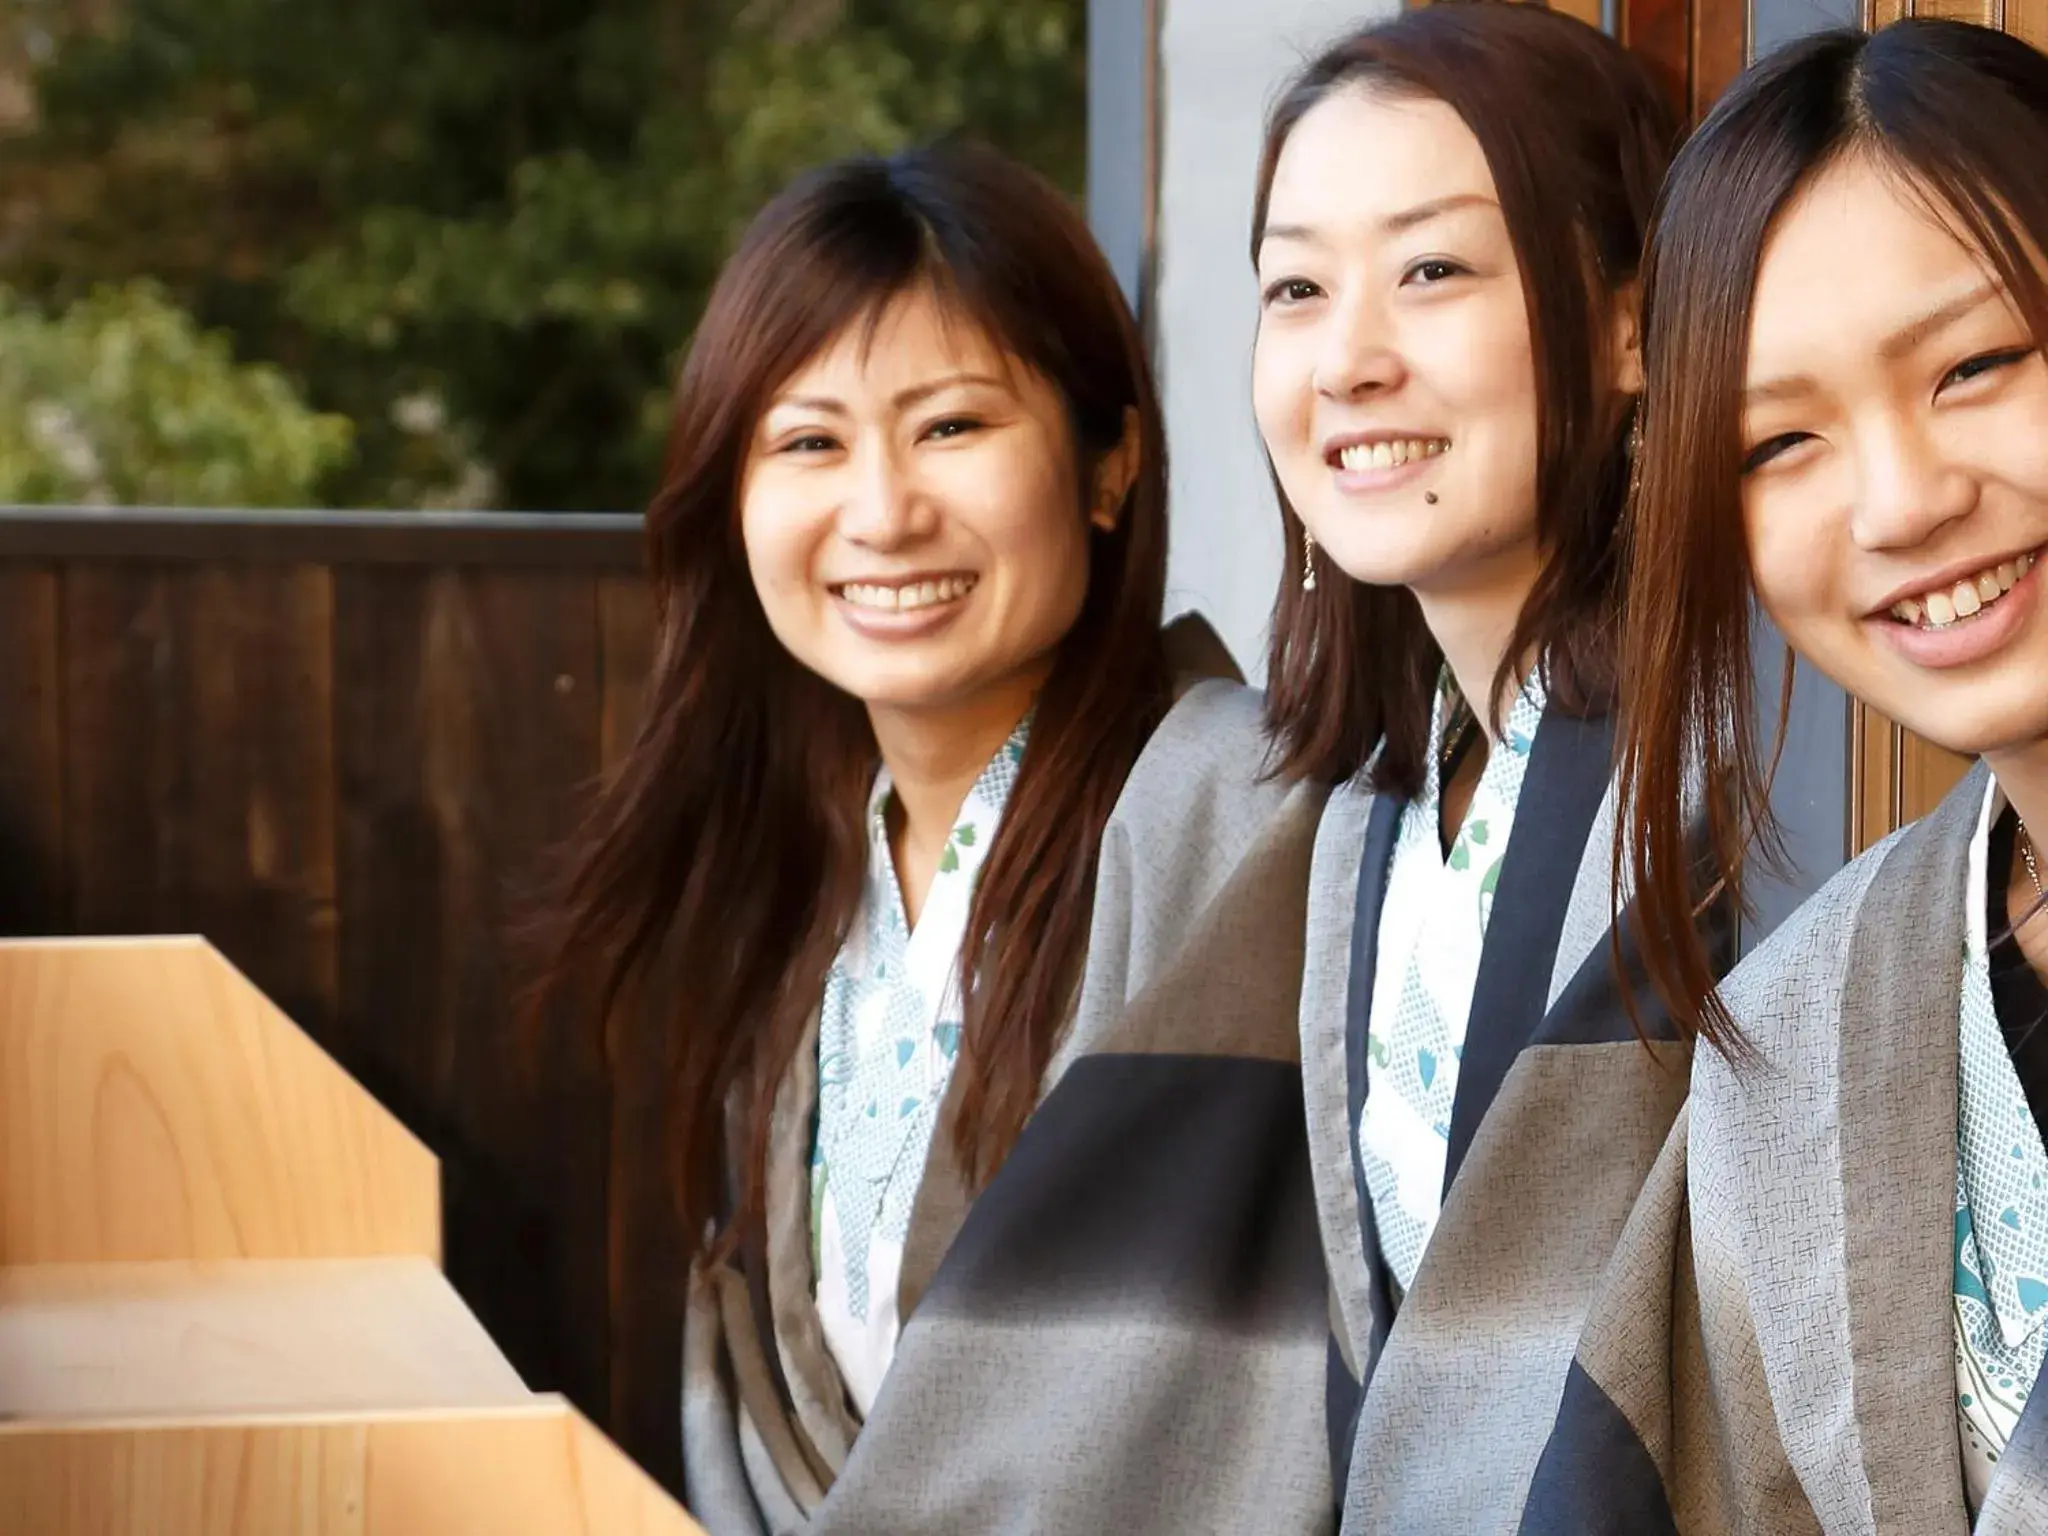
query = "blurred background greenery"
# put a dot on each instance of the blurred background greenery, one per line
(429, 253)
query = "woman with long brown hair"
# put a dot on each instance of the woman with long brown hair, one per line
(1847, 419)
(1450, 213)
(974, 1245)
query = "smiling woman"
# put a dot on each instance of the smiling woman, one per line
(907, 508)
(910, 693)
(1864, 448)
(1450, 213)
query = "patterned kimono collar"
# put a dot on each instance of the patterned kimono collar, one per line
(991, 792)
(889, 1031)
(1432, 936)
(2001, 1274)
(1518, 729)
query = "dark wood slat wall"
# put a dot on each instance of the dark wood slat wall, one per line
(460, 765)
(643, 1234)
(198, 780)
(340, 754)
(31, 751)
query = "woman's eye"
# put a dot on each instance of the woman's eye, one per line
(1983, 363)
(810, 442)
(1771, 448)
(952, 426)
(1290, 290)
(1434, 270)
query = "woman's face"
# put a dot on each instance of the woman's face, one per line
(1895, 481)
(1394, 377)
(912, 514)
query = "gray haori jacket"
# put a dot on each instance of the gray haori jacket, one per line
(1124, 1332)
(1441, 1402)
(1776, 1349)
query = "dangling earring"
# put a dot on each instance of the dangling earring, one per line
(1635, 449)
(1308, 560)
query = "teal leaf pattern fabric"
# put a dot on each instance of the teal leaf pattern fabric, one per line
(888, 1037)
(1433, 922)
(2001, 1226)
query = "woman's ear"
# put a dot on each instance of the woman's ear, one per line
(1115, 473)
(1625, 338)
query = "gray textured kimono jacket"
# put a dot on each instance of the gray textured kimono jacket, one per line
(1774, 1349)
(1441, 1405)
(1124, 1333)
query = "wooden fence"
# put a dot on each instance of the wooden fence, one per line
(335, 744)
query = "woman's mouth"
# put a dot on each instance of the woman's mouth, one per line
(1964, 601)
(1389, 453)
(907, 596)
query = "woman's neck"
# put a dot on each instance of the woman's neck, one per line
(1473, 625)
(934, 757)
(2022, 773)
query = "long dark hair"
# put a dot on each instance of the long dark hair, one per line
(1962, 111)
(722, 863)
(1577, 134)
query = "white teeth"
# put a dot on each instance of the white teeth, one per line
(909, 597)
(1391, 454)
(1966, 599)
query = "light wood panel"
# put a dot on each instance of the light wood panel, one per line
(540, 1471)
(1894, 776)
(1587, 11)
(1721, 37)
(1983, 13)
(2022, 18)
(2027, 19)
(116, 1341)
(155, 1106)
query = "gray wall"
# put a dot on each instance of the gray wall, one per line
(1810, 794)
(1122, 136)
(1220, 64)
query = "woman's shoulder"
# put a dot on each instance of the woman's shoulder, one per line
(1797, 976)
(1199, 796)
(1212, 741)
(1201, 800)
(1810, 947)
(1209, 755)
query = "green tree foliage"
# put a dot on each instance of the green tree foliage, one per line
(122, 400)
(504, 215)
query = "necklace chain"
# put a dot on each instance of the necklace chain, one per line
(1456, 731)
(2027, 853)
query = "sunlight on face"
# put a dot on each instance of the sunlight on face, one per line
(1394, 361)
(912, 517)
(1895, 441)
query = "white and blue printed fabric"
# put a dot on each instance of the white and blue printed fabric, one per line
(888, 1035)
(2001, 1275)
(1433, 921)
